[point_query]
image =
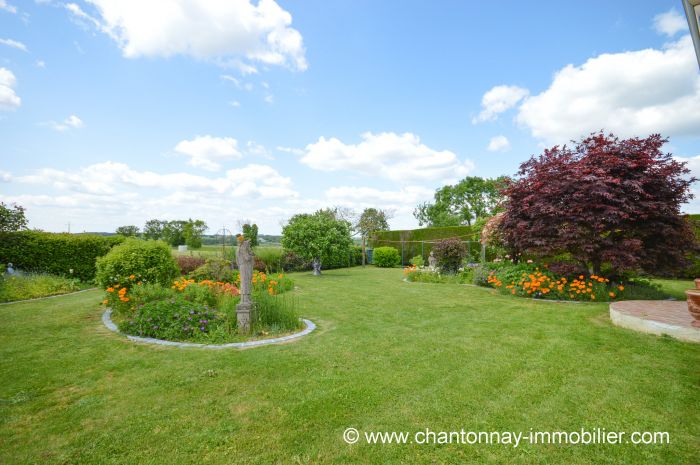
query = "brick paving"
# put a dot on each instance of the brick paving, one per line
(658, 317)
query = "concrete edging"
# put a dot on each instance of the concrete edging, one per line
(107, 320)
(658, 328)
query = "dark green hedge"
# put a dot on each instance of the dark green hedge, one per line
(411, 248)
(55, 253)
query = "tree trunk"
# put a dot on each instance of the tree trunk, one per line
(316, 264)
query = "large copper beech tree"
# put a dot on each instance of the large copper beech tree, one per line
(603, 200)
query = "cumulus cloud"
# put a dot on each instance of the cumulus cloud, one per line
(231, 33)
(8, 98)
(72, 122)
(7, 7)
(207, 151)
(5, 176)
(498, 143)
(112, 178)
(670, 23)
(633, 93)
(14, 44)
(398, 157)
(497, 100)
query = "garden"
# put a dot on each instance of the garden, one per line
(473, 323)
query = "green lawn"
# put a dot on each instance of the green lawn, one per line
(675, 287)
(388, 356)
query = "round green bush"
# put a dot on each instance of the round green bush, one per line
(386, 257)
(147, 261)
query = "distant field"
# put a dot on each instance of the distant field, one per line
(207, 251)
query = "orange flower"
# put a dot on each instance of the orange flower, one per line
(110, 289)
(612, 294)
(104, 302)
(132, 277)
(621, 287)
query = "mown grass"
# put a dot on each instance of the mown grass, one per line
(388, 356)
(675, 287)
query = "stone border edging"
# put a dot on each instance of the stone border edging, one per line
(658, 328)
(107, 320)
(47, 297)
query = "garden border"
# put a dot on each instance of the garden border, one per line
(310, 326)
(519, 297)
(48, 296)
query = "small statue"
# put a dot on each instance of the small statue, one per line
(432, 261)
(10, 270)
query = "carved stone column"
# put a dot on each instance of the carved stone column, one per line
(244, 310)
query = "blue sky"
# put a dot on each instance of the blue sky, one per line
(115, 112)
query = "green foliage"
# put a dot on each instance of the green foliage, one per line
(153, 229)
(271, 257)
(192, 232)
(174, 319)
(128, 231)
(386, 257)
(12, 218)
(450, 254)
(56, 254)
(372, 220)
(250, 233)
(320, 236)
(215, 269)
(275, 313)
(34, 285)
(412, 240)
(463, 203)
(148, 261)
(417, 261)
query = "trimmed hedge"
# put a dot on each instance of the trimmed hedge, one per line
(55, 253)
(412, 249)
(386, 257)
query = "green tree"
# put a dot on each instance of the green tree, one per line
(318, 237)
(192, 232)
(153, 229)
(250, 232)
(12, 218)
(469, 200)
(128, 231)
(174, 232)
(371, 220)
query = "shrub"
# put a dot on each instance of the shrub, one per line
(174, 319)
(55, 254)
(268, 259)
(32, 285)
(417, 261)
(188, 264)
(293, 262)
(567, 269)
(386, 257)
(137, 261)
(450, 254)
(216, 269)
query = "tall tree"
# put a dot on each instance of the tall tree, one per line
(192, 232)
(470, 199)
(250, 232)
(153, 229)
(12, 218)
(319, 237)
(128, 231)
(603, 200)
(371, 220)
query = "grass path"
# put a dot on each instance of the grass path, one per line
(388, 356)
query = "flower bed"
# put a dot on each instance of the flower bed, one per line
(200, 311)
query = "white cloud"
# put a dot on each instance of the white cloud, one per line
(111, 178)
(399, 157)
(497, 100)
(498, 143)
(292, 150)
(632, 93)
(231, 33)
(235, 103)
(670, 23)
(14, 44)
(40, 64)
(8, 98)
(206, 151)
(257, 150)
(237, 82)
(72, 122)
(5, 176)
(269, 98)
(7, 7)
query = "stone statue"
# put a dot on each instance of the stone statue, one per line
(432, 261)
(244, 258)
